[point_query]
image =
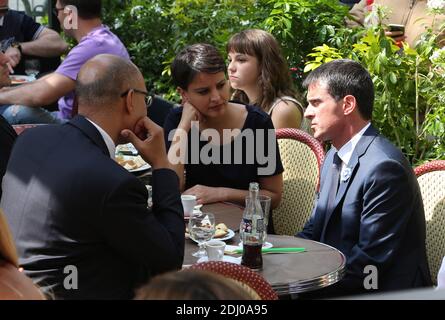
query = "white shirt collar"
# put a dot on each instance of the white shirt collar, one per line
(2, 18)
(108, 141)
(346, 151)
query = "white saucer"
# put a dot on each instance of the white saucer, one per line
(225, 258)
(230, 235)
(266, 245)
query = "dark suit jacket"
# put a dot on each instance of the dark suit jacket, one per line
(69, 204)
(7, 138)
(378, 218)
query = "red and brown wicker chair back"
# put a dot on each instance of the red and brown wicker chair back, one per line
(251, 281)
(431, 178)
(302, 156)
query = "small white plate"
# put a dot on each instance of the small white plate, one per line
(143, 167)
(225, 258)
(266, 245)
(127, 149)
(230, 234)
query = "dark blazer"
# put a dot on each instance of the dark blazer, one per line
(86, 211)
(7, 139)
(378, 218)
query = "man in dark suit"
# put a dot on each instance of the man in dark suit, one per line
(7, 138)
(7, 133)
(79, 219)
(369, 205)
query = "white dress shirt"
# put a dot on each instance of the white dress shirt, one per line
(108, 141)
(346, 151)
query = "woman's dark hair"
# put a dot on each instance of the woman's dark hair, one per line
(192, 285)
(274, 80)
(193, 59)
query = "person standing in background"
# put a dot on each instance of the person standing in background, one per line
(412, 14)
(349, 3)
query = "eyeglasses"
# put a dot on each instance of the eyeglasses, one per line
(56, 10)
(148, 97)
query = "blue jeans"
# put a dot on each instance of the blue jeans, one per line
(16, 114)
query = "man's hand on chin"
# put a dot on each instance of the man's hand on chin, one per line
(148, 139)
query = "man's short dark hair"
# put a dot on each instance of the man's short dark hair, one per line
(86, 9)
(346, 77)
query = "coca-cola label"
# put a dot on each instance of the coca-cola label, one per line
(259, 225)
(247, 226)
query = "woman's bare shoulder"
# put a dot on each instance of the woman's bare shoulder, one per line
(288, 107)
(287, 114)
(238, 108)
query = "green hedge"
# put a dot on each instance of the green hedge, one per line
(410, 96)
(154, 31)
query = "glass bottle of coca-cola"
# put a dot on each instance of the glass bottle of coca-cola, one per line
(252, 229)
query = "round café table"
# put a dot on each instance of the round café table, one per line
(317, 267)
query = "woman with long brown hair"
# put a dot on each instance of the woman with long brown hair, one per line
(260, 76)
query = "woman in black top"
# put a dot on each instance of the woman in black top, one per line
(222, 146)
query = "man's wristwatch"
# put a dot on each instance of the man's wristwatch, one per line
(18, 46)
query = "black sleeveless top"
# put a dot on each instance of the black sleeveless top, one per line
(249, 157)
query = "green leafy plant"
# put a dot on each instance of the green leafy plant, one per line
(154, 31)
(410, 99)
(300, 25)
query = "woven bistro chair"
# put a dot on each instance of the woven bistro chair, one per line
(431, 178)
(252, 282)
(302, 156)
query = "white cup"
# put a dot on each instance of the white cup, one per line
(215, 250)
(188, 203)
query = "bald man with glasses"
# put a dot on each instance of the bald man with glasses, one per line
(85, 210)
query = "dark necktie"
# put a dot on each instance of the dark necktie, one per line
(335, 176)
